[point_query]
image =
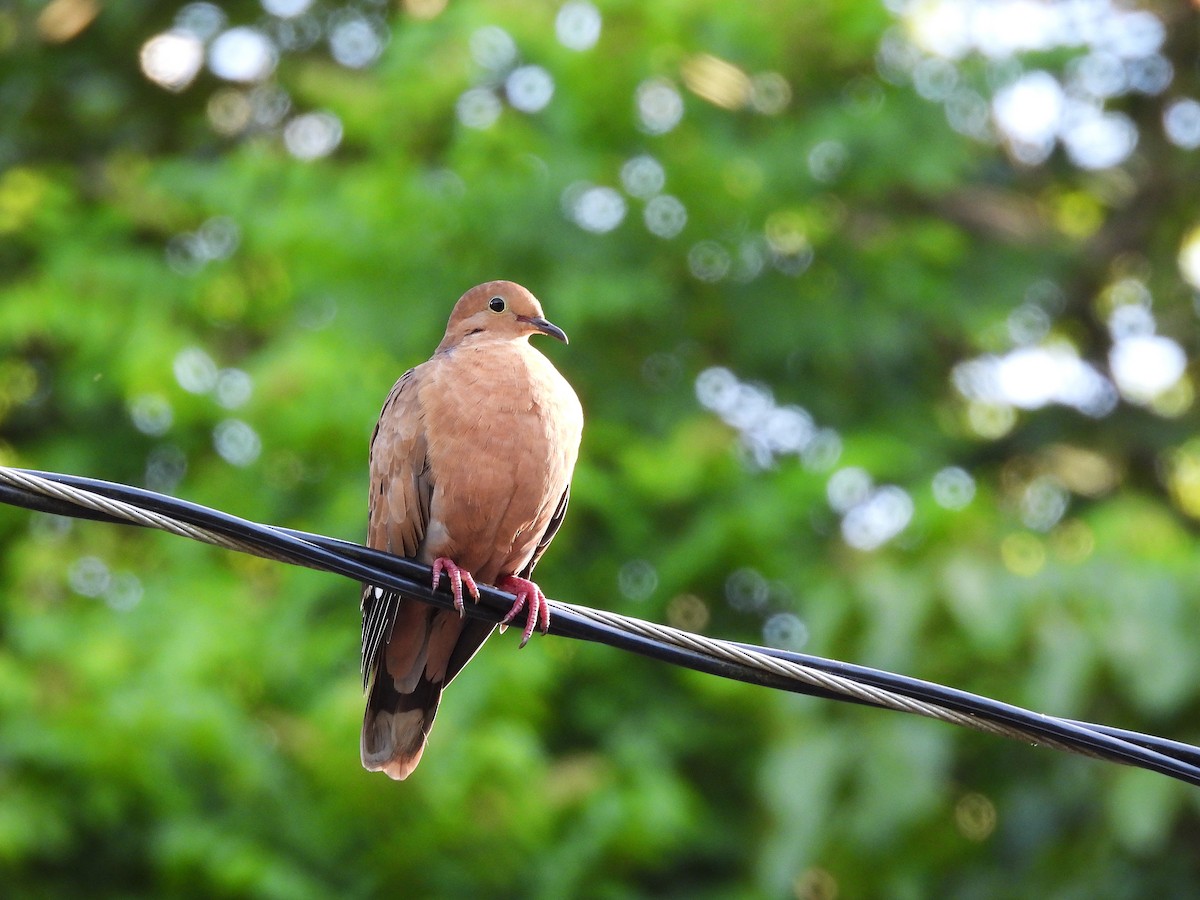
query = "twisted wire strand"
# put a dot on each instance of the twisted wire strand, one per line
(89, 498)
(816, 678)
(127, 511)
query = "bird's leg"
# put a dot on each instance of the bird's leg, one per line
(527, 593)
(458, 576)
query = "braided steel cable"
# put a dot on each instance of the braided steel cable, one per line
(800, 673)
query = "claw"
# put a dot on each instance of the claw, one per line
(458, 576)
(529, 597)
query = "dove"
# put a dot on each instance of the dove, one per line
(470, 473)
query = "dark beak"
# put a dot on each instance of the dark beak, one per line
(546, 327)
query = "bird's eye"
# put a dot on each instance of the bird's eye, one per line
(496, 304)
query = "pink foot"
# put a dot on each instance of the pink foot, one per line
(526, 592)
(458, 576)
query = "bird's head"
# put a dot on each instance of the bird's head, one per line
(497, 310)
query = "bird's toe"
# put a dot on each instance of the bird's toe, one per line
(458, 577)
(529, 597)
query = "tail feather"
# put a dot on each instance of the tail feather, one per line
(396, 725)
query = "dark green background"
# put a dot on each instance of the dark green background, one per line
(177, 720)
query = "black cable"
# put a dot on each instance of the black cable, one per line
(1172, 758)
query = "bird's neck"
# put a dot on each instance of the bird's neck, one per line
(480, 340)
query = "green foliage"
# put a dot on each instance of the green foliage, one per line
(176, 720)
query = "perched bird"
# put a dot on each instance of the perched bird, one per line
(471, 467)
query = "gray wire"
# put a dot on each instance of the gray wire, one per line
(711, 647)
(837, 684)
(90, 498)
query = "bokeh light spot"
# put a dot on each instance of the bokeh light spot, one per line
(749, 260)
(1134, 34)
(185, 253)
(195, 370)
(1029, 113)
(770, 93)
(990, 420)
(643, 176)
(847, 488)
(313, 135)
(216, 239)
(1183, 477)
(19, 383)
(233, 388)
(1033, 377)
(219, 237)
(788, 429)
(767, 430)
(124, 592)
(665, 216)
(172, 59)
(151, 414)
(597, 209)
(746, 590)
(298, 34)
(1023, 554)
(1043, 503)
(229, 111)
(878, 518)
(1123, 294)
(204, 20)
(1100, 140)
(577, 25)
(1073, 541)
(1181, 121)
(815, 884)
(967, 112)
(1082, 470)
(1175, 400)
(242, 54)
(662, 370)
(826, 160)
(975, 817)
(1150, 75)
(786, 631)
(236, 442)
(62, 20)
(493, 47)
(688, 612)
(659, 106)
(1115, 51)
(953, 488)
(22, 192)
(793, 263)
(1028, 324)
(1189, 257)
(823, 451)
(1078, 214)
(89, 576)
(529, 88)
(935, 78)
(1144, 366)
(637, 580)
(708, 261)
(424, 9)
(286, 9)
(940, 27)
(1099, 74)
(716, 80)
(785, 232)
(356, 41)
(478, 108)
(165, 467)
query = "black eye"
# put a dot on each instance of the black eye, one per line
(496, 304)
